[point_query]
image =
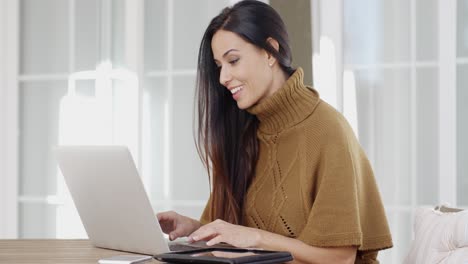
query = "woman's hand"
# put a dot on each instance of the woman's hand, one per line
(240, 236)
(220, 231)
(176, 225)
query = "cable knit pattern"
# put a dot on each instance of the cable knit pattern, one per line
(313, 181)
(288, 106)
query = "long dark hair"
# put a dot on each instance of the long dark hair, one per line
(227, 136)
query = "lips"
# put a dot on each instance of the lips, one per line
(234, 90)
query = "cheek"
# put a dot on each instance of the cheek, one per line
(263, 80)
(257, 74)
(254, 67)
(259, 87)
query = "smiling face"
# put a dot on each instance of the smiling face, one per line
(246, 70)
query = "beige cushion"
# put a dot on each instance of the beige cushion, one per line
(440, 236)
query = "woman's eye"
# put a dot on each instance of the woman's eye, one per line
(234, 61)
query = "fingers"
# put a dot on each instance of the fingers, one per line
(201, 233)
(173, 235)
(167, 221)
(216, 240)
(168, 215)
(219, 231)
(176, 225)
(160, 216)
(208, 231)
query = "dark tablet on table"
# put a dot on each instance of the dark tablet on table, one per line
(225, 255)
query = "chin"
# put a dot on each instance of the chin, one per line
(244, 104)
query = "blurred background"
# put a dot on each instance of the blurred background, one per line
(123, 72)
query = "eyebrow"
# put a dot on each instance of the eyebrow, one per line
(227, 52)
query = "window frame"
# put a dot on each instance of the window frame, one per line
(9, 10)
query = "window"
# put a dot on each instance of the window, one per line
(397, 69)
(133, 63)
(462, 98)
(393, 65)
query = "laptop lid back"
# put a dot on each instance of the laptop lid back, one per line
(110, 198)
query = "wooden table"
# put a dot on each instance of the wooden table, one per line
(53, 251)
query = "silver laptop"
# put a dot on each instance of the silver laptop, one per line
(111, 200)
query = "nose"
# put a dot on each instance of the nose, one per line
(224, 76)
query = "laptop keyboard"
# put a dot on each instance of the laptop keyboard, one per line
(181, 246)
(184, 245)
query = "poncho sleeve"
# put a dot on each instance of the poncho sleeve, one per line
(347, 209)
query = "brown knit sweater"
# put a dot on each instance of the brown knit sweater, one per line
(313, 181)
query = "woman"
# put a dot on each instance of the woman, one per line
(286, 170)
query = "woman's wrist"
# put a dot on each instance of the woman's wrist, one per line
(261, 236)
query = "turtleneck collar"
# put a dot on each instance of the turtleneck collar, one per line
(288, 106)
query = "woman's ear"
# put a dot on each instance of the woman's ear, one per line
(274, 43)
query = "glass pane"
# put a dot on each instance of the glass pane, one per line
(85, 88)
(192, 211)
(87, 34)
(364, 105)
(118, 34)
(383, 104)
(190, 22)
(37, 221)
(189, 177)
(155, 108)
(376, 31)
(125, 115)
(44, 36)
(427, 127)
(426, 30)
(156, 19)
(39, 115)
(462, 28)
(401, 224)
(462, 131)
